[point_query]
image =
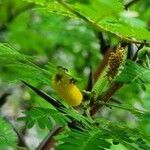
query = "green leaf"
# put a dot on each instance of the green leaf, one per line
(45, 117)
(98, 9)
(28, 72)
(78, 117)
(10, 55)
(104, 15)
(144, 124)
(129, 137)
(99, 138)
(134, 73)
(53, 6)
(142, 144)
(100, 84)
(7, 135)
(84, 140)
(119, 133)
(138, 113)
(20, 67)
(125, 28)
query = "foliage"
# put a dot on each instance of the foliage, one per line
(133, 72)
(88, 138)
(36, 36)
(44, 117)
(17, 62)
(108, 19)
(103, 137)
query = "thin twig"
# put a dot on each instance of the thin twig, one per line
(106, 97)
(48, 142)
(105, 50)
(102, 64)
(21, 141)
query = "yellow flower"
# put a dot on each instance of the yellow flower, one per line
(66, 89)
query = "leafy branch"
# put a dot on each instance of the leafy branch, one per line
(108, 20)
(98, 26)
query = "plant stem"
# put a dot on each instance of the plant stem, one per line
(121, 107)
(106, 97)
(102, 64)
(48, 142)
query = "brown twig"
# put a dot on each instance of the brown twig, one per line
(21, 141)
(105, 50)
(105, 97)
(49, 142)
(102, 65)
